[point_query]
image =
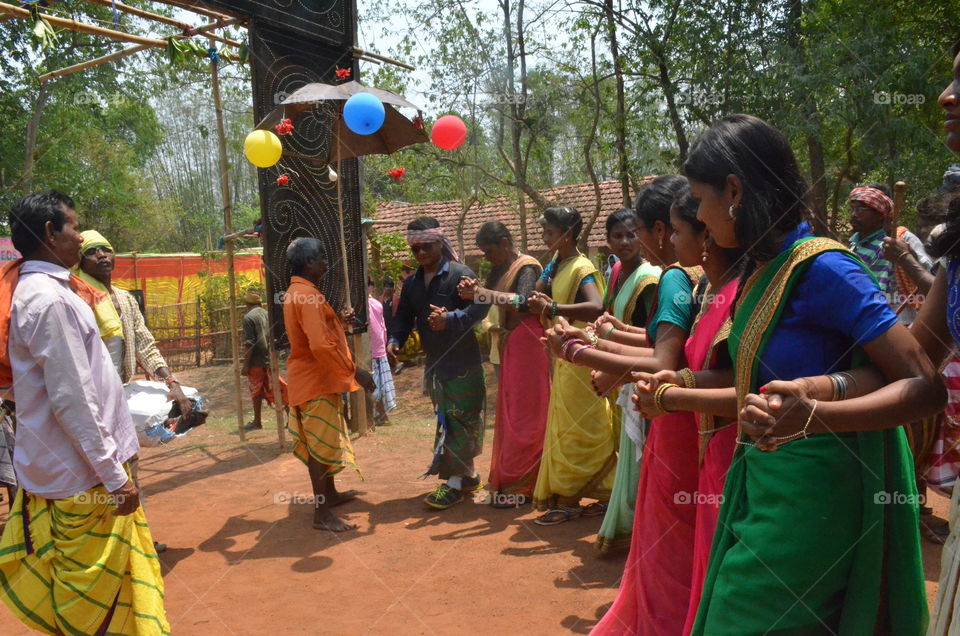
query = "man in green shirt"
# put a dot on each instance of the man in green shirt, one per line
(256, 358)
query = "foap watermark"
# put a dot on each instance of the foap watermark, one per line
(500, 499)
(99, 498)
(93, 97)
(284, 498)
(298, 298)
(700, 97)
(683, 497)
(886, 98)
(897, 498)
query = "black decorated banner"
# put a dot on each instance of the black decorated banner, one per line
(294, 42)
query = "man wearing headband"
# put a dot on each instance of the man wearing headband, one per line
(256, 357)
(871, 207)
(430, 303)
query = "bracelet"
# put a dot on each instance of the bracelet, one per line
(802, 434)
(565, 348)
(553, 309)
(170, 379)
(689, 379)
(658, 395)
(609, 331)
(517, 301)
(840, 385)
(592, 336)
(573, 356)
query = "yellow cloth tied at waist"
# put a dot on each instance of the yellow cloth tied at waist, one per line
(69, 566)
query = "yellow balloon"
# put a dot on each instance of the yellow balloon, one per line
(262, 148)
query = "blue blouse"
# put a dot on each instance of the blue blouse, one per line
(835, 307)
(953, 299)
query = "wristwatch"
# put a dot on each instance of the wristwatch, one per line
(170, 379)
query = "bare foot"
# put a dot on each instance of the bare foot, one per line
(326, 520)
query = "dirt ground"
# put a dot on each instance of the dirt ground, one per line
(243, 559)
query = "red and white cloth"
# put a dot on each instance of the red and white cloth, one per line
(945, 460)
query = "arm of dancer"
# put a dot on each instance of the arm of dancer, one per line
(913, 390)
(585, 311)
(666, 354)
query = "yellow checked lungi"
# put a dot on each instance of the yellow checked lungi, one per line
(320, 432)
(69, 566)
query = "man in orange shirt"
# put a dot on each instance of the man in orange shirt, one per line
(319, 370)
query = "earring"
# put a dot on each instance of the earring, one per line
(730, 211)
(703, 258)
(661, 242)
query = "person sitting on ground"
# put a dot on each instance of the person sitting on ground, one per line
(320, 370)
(256, 357)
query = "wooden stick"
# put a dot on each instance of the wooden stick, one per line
(183, 26)
(376, 57)
(82, 66)
(228, 229)
(898, 191)
(196, 8)
(82, 27)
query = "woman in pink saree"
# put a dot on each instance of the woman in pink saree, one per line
(655, 591)
(523, 391)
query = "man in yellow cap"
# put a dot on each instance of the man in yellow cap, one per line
(120, 320)
(256, 357)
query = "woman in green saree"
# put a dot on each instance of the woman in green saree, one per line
(818, 528)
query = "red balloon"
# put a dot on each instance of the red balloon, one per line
(449, 132)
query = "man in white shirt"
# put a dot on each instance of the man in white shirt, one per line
(77, 538)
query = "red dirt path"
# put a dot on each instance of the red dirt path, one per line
(242, 559)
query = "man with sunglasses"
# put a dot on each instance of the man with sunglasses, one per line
(453, 375)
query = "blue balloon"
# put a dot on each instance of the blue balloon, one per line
(364, 114)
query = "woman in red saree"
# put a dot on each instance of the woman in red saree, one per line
(523, 390)
(655, 590)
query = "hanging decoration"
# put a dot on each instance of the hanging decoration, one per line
(418, 122)
(213, 55)
(332, 175)
(262, 148)
(343, 73)
(397, 173)
(283, 180)
(449, 132)
(363, 113)
(284, 127)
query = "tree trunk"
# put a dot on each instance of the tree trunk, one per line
(33, 129)
(620, 121)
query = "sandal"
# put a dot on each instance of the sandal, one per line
(596, 509)
(558, 515)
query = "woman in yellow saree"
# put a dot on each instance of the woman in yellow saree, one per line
(579, 449)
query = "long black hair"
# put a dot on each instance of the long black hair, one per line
(775, 194)
(947, 241)
(492, 232)
(623, 216)
(565, 218)
(686, 208)
(654, 201)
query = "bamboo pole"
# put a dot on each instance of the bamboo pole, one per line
(82, 27)
(376, 57)
(112, 57)
(183, 26)
(194, 7)
(227, 229)
(279, 407)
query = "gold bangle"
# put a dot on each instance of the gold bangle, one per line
(658, 395)
(689, 379)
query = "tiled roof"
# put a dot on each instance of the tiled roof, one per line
(394, 216)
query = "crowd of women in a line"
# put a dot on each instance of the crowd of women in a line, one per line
(731, 398)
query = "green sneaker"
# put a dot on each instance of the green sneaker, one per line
(472, 484)
(443, 497)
